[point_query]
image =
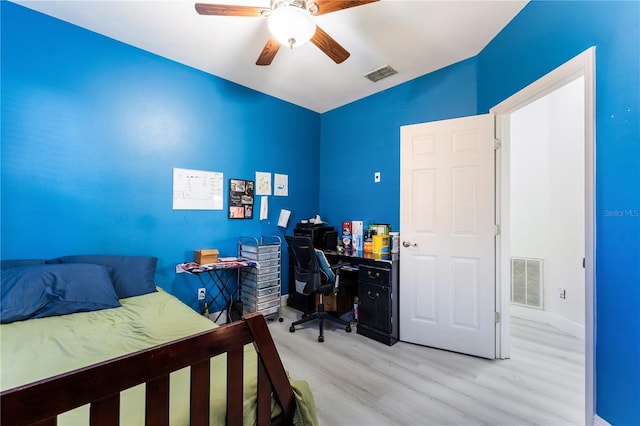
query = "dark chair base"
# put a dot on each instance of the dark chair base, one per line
(321, 316)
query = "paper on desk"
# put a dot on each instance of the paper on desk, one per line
(264, 207)
(284, 218)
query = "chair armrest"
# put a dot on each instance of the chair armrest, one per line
(337, 266)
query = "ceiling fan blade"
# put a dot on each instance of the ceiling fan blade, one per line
(269, 52)
(329, 46)
(229, 10)
(328, 6)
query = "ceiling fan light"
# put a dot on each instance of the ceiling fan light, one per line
(291, 25)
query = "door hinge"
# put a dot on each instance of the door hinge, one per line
(496, 229)
(497, 317)
(497, 144)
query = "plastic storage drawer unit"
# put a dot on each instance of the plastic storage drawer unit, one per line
(260, 286)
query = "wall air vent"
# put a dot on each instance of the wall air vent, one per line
(526, 282)
(380, 73)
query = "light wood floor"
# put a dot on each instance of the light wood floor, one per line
(358, 381)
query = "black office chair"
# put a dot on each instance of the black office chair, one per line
(314, 275)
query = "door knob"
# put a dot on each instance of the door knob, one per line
(409, 244)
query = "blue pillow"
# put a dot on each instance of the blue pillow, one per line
(37, 291)
(131, 275)
(5, 264)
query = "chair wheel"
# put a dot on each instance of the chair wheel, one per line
(292, 329)
(348, 329)
(320, 339)
(280, 319)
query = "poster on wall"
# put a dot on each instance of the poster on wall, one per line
(241, 193)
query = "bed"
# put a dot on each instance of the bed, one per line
(74, 351)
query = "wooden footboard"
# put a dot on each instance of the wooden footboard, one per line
(100, 384)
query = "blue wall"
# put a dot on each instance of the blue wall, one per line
(541, 38)
(363, 137)
(92, 128)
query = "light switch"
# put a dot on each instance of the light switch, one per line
(376, 177)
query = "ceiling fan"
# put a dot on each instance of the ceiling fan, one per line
(291, 24)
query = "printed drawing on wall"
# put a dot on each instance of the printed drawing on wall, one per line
(241, 194)
(263, 183)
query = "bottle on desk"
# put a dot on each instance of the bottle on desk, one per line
(356, 309)
(367, 244)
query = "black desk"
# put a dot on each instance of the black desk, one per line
(375, 280)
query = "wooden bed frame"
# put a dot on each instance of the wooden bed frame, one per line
(100, 384)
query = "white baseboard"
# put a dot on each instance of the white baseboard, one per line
(599, 421)
(570, 327)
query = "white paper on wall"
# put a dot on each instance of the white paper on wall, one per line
(264, 207)
(197, 190)
(283, 220)
(263, 183)
(281, 185)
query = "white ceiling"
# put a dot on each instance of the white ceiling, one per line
(415, 37)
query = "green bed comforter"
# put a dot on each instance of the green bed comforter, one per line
(39, 348)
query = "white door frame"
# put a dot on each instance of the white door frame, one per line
(581, 65)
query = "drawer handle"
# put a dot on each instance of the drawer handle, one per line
(372, 297)
(376, 275)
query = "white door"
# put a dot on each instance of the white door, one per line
(447, 223)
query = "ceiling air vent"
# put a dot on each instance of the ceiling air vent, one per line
(380, 73)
